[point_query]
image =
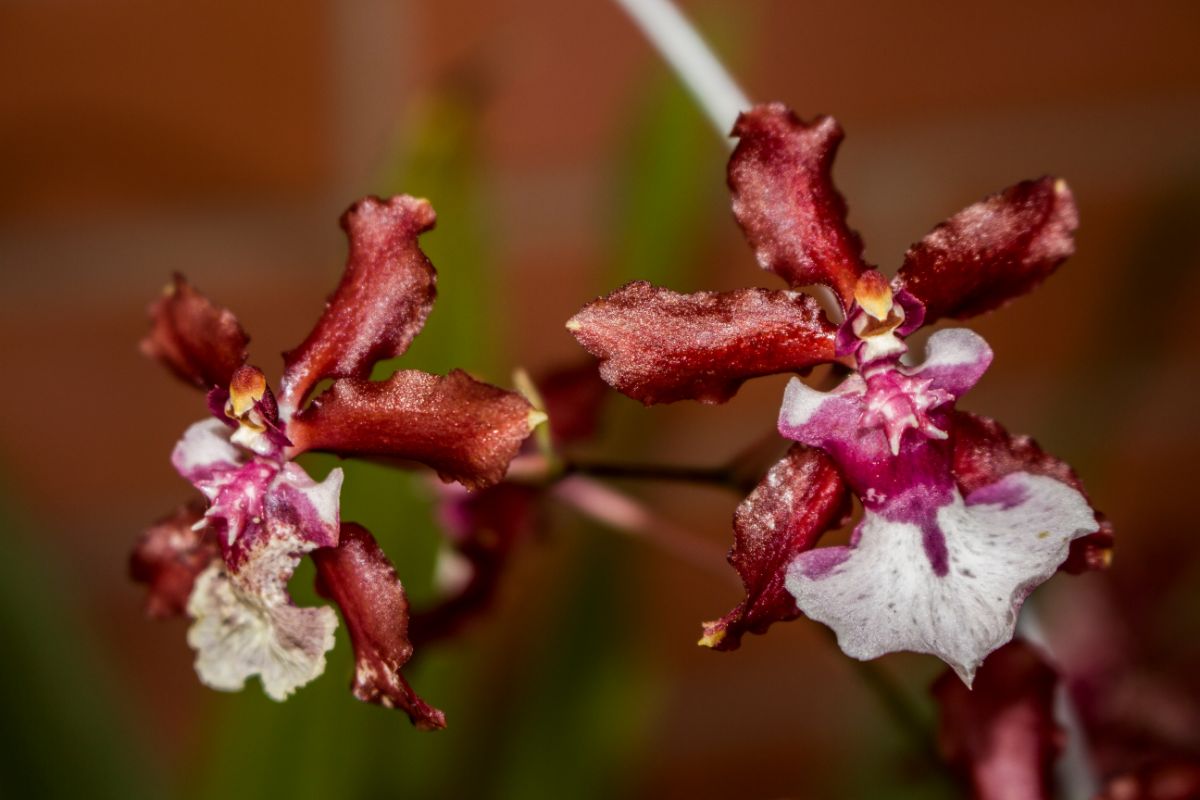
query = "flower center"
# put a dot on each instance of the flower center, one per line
(252, 405)
(896, 402)
(875, 326)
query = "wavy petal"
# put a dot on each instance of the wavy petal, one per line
(201, 342)
(381, 303)
(1001, 735)
(984, 452)
(659, 346)
(241, 631)
(465, 429)
(800, 498)
(168, 558)
(786, 203)
(885, 592)
(358, 576)
(993, 251)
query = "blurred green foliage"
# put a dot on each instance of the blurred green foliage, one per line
(64, 727)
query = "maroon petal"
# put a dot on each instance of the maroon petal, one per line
(196, 339)
(785, 201)
(659, 346)
(984, 452)
(358, 576)
(993, 251)
(1001, 735)
(381, 303)
(483, 528)
(800, 498)
(168, 558)
(466, 430)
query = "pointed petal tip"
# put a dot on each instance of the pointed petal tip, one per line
(993, 251)
(714, 634)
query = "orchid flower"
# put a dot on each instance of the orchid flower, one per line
(961, 521)
(227, 566)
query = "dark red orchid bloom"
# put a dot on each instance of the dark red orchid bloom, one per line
(227, 566)
(961, 520)
(1002, 737)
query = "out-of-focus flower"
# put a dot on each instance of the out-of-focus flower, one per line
(1002, 736)
(483, 528)
(1168, 779)
(228, 566)
(961, 520)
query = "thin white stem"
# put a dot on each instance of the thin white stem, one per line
(678, 41)
(697, 66)
(1076, 772)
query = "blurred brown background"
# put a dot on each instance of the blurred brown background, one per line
(223, 139)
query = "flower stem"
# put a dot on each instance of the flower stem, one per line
(627, 515)
(714, 89)
(686, 51)
(718, 476)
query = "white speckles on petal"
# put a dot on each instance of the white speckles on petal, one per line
(236, 635)
(882, 595)
(204, 447)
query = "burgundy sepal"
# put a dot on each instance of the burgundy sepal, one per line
(574, 397)
(659, 346)
(984, 452)
(168, 558)
(381, 303)
(361, 580)
(800, 498)
(465, 429)
(993, 251)
(1001, 735)
(785, 200)
(201, 342)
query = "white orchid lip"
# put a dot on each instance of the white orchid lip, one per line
(927, 570)
(265, 514)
